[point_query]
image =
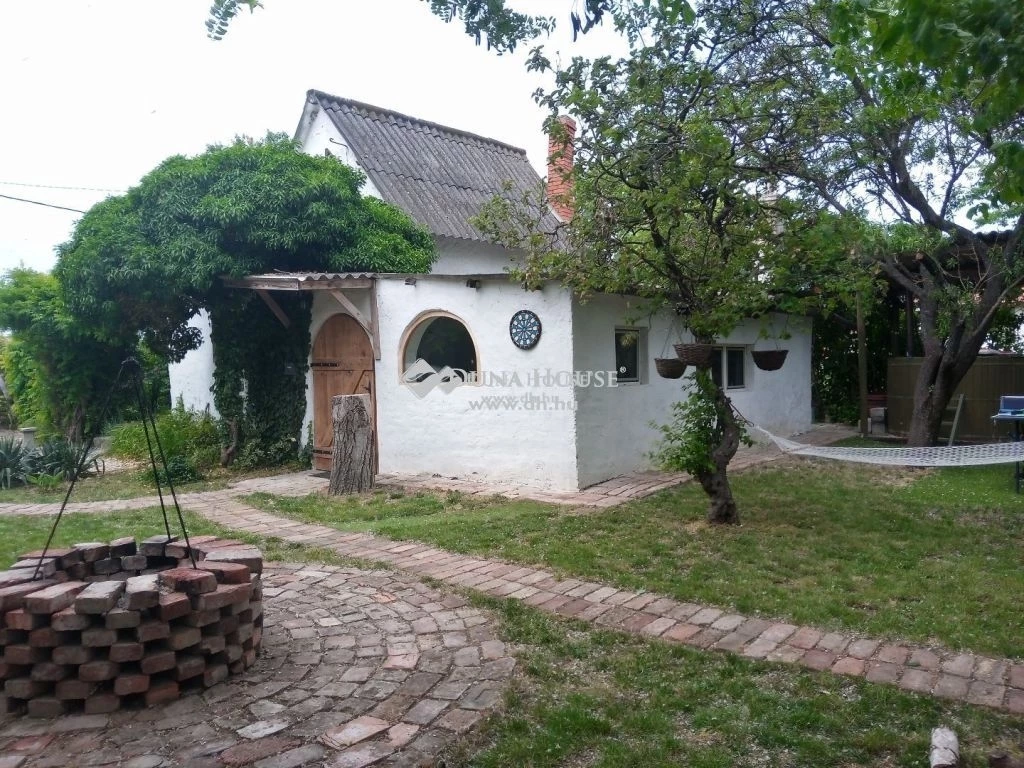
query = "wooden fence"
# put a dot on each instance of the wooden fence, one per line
(989, 378)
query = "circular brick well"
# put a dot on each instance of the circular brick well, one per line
(107, 625)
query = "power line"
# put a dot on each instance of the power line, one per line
(58, 186)
(45, 205)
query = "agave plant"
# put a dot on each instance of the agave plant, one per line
(14, 462)
(60, 458)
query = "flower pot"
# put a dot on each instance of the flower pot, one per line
(769, 359)
(694, 354)
(669, 367)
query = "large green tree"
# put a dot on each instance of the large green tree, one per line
(56, 370)
(841, 122)
(146, 262)
(667, 209)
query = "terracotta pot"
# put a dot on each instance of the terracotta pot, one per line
(769, 359)
(694, 354)
(669, 367)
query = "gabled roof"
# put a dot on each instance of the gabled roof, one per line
(440, 176)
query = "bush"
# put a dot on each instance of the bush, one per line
(14, 467)
(186, 434)
(179, 470)
(59, 458)
(262, 453)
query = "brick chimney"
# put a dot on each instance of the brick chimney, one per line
(560, 157)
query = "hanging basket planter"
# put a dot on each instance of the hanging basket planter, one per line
(769, 359)
(669, 367)
(693, 354)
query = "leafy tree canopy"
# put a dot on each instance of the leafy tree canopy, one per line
(53, 365)
(969, 45)
(148, 260)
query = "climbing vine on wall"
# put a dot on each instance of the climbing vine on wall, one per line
(147, 261)
(260, 374)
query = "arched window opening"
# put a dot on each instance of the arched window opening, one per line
(443, 342)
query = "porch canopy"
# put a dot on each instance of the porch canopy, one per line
(335, 283)
(332, 282)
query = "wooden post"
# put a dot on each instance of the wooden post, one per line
(862, 369)
(353, 457)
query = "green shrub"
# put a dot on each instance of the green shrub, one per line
(14, 466)
(53, 459)
(183, 433)
(60, 458)
(261, 453)
(180, 469)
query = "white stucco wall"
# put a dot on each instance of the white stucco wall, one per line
(192, 378)
(613, 425)
(469, 433)
(465, 257)
(316, 133)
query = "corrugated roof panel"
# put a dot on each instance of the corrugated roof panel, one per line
(440, 176)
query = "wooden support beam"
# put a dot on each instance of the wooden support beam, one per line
(356, 315)
(374, 325)
(274, 307)
(295, 284)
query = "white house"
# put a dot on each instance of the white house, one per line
(560, 393)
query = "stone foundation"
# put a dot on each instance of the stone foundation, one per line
(111, 625)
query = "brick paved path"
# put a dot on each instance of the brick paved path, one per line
(389, 670)
(979, 680)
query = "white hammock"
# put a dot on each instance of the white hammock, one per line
(954, 456)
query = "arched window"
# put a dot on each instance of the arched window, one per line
(443, 341)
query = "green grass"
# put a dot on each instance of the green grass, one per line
(586, 697)
(609, 700)
(934, 556)
(25, 533)
(122, 485)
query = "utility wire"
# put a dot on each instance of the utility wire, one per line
(58, 186)
(45, 205)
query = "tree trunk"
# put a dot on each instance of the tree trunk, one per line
(714, 479)
(354, 455)
(947, 359)
(229, 451)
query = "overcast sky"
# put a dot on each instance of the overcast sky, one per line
(95, 94)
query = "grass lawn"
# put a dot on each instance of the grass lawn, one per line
(587, 697)
(605, 699)
(26, 533)
(123, 485)
(926, 556)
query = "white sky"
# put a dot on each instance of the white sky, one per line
(95, 94)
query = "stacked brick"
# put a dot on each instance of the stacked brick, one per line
(100, 626)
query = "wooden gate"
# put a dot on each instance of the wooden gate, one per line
(342, 365)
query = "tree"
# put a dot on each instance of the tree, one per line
(144, 263)
(969, 44)
(56, 370)
(667, 210)
(870, 136)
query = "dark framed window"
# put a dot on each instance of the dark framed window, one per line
(630, 355)
(728, 365)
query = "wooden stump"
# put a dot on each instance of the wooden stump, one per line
(353, 457)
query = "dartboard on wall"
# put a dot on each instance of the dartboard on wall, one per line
(524, 328)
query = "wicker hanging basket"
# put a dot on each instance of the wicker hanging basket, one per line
(694, 354)
(669, 367)
(769, 359)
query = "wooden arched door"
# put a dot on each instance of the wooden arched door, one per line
(342, 365)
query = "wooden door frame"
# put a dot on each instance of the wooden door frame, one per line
(374, 357)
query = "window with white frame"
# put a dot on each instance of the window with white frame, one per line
(728, 367)
(630, 355)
